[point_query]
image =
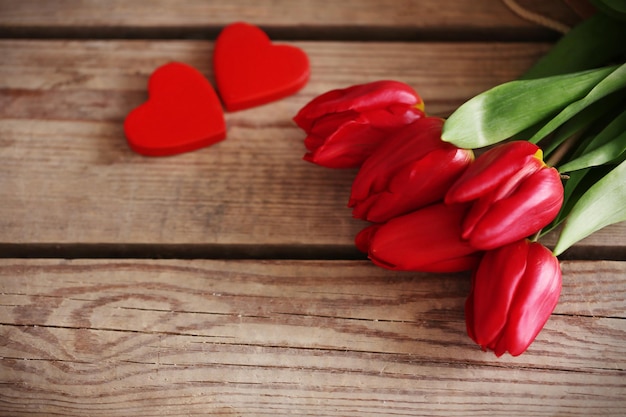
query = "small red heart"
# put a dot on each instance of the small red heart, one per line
(250, 70)
(182, 113)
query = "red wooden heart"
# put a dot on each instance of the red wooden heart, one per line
(250, 70)
(182, 113)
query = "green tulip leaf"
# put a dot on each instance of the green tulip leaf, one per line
(615, 5)
(510, 108)
(612, 83)
(606, 146)
(571, 193)
(601, 205)
(605, 153)
(613, 8)
(593, 43)
(612, 129)
(581, 123)
(577, 183)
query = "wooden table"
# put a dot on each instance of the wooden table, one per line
(225, 282)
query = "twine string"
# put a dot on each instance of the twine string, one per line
(536, 18)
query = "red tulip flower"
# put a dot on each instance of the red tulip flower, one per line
(427, 240)
(344, 126)
(514, 195)
(514, 290)
(411, 169)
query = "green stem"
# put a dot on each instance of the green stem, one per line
(535, 237)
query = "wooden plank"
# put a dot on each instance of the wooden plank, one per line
(318, 18)
(68, 176)
(251, 338)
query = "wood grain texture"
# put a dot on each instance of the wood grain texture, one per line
(68, 176)
(251, 338)
(287, 18)
(182, 337)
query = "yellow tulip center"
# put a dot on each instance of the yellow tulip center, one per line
(539, 156)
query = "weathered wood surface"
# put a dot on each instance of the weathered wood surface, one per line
(254, 338)
(68, 176)
(62, 105)
(357, 19)
(231, 337)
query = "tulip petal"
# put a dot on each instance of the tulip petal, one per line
(418, 184)
(357, 98)
(391, 117)
(348, 147)
(479, 209)
(327, 124)
(363, 209)
(535, 299)
(364, 237)
(494, 286)
(491, 169)
(426, 240)
(533, 205)
(462, 263)
(407, 145)
(347, 139)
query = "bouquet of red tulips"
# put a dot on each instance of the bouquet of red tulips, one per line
(436, 207)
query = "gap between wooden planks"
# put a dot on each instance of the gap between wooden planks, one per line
(292, 338)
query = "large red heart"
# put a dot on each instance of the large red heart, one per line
(182, 113)
(250, 70)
